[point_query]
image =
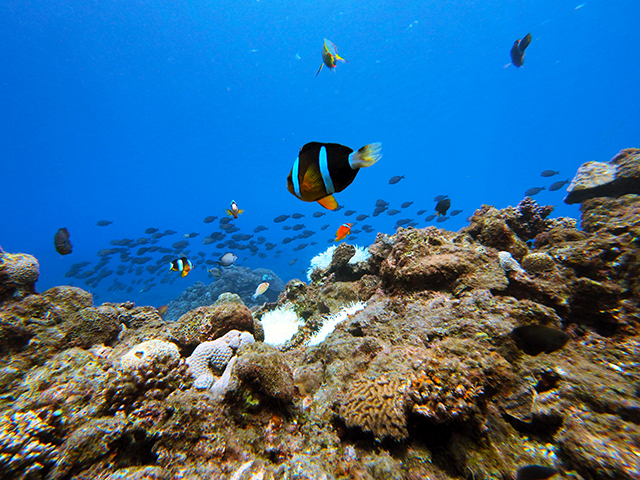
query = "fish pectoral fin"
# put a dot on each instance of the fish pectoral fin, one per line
(338, 57)
(322, 65)
(328, 202)
(229, 212)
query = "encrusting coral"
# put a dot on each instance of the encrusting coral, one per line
(210, 359)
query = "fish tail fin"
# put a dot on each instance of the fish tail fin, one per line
(366, 156)
(524, 43)
(254, 296)
(320, 69)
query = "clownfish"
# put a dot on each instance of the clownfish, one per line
(260, 289)
(343, 231)
(323, 169)
(182, 265)
(330, 56)
(234, 211)
(517, 50)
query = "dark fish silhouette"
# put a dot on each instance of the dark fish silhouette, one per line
(535, 472)
(442, 206)
(297, 216)
(318, 214)
(396, 179)
(535, 339)
(323, 169)
(533, 191)
(297, 227)
(169, 232)
(393, 211)
(149, 231)
(518, 48)
(62, 243)
(348, 213)
(103, 223)
(361, 217)
(421, 212)
(381, 203)
(439, 198)
(324, 227)
(442, 218)
(453, 213)
(280, 218)
(406, 204)
(557, 185)
(209, 219)
(287, 227)
(260, 228)
(293, 261)
(549, 173)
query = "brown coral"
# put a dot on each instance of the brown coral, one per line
(18, 274)
(377, 405)
(204, 324)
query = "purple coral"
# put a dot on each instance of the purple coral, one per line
(528, 219)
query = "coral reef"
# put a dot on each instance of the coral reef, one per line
(437, 357)
(238, 280)
(204, 324)
(620, 176)
(19, 273)
(211, 358)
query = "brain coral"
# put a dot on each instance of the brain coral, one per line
(377, 405)
(266, 368)
(538, 262)
(211, 358)
(18, 273)
(150, 370)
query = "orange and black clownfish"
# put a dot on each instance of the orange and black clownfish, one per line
(234, 211)
(343, 231)
(330, 55)
(323, 169)
(182, 265)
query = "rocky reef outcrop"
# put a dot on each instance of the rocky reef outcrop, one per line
(239, 280)
(512, 343)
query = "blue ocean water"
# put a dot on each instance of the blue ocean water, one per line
(158, 114)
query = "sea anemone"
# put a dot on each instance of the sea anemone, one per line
(331, 321)
(280, 325)
(322, 261)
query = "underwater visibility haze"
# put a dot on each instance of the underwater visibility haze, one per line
(160, 114)
(293, 239)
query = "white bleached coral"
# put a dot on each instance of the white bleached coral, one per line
(323, 259)
(332, 321)
(508, 263)
(280, 325)
(210, 358)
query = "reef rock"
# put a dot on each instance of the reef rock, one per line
(619, 176)
(19, 273)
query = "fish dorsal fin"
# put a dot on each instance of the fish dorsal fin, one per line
(328, 202)
(322, 65)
